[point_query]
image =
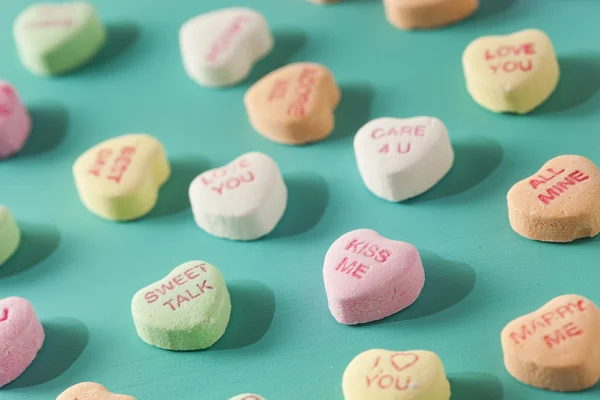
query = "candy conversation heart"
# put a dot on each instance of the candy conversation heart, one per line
(90, 391)
(119, 179)
(556, 347)
(559, 203)
(220, 48)
(187, 310)
(21, 337)
(294, 104)
(247, 396)
(243, 200)
(15, 122)
(55, 38)
(368, 277)
(403, 158)
(395, 375)
(513, 73)
(10, 235)
(425, 14)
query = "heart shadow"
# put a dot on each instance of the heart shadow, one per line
(66, 338)
(49, 125)
(120, 36)
(474, 160)
(578, 85)
(38, 242)
(287, 44)
(353, 111)
(252, 311)
(308, 196)
(475, 386)
(173, 197)
(490, 8)
(446, 284)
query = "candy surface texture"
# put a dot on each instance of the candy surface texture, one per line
(395, 375)
(368, 277)
(90, 391)
(15, 122)
(559, 203)
(294, 104)
(402, 158)
(55, 38)
(427, 14)
(119, 179)
(189, 309)
(10, 235)
(244, 200)
(556, 347)
(513, 73)
(220, 48)
(21, 337)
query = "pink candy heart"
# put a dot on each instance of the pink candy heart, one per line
(15, 122)
(368, 277)
(21, 337)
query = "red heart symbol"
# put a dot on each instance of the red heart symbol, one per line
(402, 361)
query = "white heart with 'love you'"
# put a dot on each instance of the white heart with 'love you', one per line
(402, 158)
(243, 200)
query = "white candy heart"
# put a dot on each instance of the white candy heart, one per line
(403, 158)
(243, 200)
(220, 48)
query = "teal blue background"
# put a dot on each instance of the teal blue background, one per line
(80, 271)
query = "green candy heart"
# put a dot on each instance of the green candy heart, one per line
(56, 38)
(10, 235)
(189, 309)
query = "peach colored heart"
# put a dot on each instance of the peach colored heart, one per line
(294, 104)
(559, 203)
(90, 391)
(556, 347)
(427, 14)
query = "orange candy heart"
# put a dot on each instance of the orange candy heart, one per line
(556, 347)
(294, 104)
(427, 14)
(559, 203)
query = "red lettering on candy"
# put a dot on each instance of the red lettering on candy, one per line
(178, 280)
(552, 193)
(101, 160)
(279, 90)
(121, 164)
(306, 82)
(64, 23)
(547, 320)
(224, 41)
(399, 382)
(510, 66)
(4, 315)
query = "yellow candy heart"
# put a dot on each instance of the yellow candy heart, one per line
(395, 375)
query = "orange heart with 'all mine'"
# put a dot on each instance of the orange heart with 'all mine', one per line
(556, 347)
(559, 203)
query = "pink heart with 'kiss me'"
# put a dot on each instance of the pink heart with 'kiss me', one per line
(368, 277)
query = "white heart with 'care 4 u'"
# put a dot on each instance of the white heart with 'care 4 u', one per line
(220, 48)
(403, 158)
(243, 200)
